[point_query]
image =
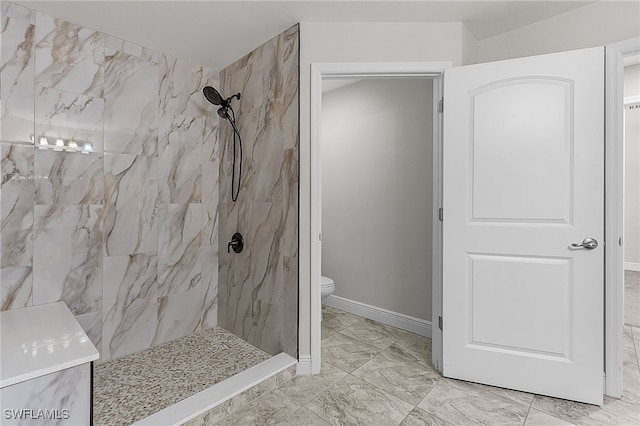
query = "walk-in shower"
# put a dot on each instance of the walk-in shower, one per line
(225, 111)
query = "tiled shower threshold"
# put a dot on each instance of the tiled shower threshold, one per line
(180, 380)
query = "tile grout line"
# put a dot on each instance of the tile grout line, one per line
(528, 411)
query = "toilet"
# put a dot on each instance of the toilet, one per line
(327, 286)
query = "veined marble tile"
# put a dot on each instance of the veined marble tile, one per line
(131, 204)
(406, 380)
(336, 319)
(346, 353)
(258, 286)
(67, 389)
(178, 315)
(304, 388)
(352, 401)
(14, 10)
(290, 203)
(68, 178)
(374, 333)
(60, 114)
(17, 77)
(536, 417)
(211, 144)
(67, 260)
(16, 205)
(180, 156)
(179, 246)
(235, 287)
(289, 328)
(266, 327)
(131, 103)
(210, 203)
(460, 403)
(302, 416)
(91, 323)
(613, 411)
(16, 287)
(418, 417)
(69, 57)
(268, 409)
(129, 304)
(181, 85)
(265, 235)
(209, 259)
(113, 45)
(414, 348)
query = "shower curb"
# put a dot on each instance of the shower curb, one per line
(224, 398)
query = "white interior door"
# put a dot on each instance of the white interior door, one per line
(523, 180)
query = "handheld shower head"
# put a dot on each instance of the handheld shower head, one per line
(226, 111)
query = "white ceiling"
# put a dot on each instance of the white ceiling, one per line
(216, 33)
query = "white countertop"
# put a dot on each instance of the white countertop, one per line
(39, 340)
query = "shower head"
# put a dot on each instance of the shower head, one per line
(216, 98)
(213, 95)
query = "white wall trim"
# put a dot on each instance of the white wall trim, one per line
(195, 405)
(304, 366)
(631, 266)
(614, 211)
(342, 70)
(394, 319)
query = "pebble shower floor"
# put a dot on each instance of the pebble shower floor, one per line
(133, 387)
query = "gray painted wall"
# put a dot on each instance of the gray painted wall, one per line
(376, 193)
(632, 170)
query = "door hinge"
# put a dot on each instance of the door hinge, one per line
(441, 105)
(440, 323)
(440, 214)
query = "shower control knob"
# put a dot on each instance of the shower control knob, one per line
(236, 243)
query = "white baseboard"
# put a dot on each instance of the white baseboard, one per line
(394, 319)
(304, 365)
(632, 266)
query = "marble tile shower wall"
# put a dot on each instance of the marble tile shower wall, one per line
(125, 235)
(258, 288)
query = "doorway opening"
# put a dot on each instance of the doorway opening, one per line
(326, 72)
(377, 144)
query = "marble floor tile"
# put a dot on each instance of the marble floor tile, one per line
(459, 402)
(414, 348)
(269, 409)
(538, 418)
(418, 417)
(304, 388)
(374, 333)
(336, 319)
(612, 412)
(302, 416)
(352, 401)
(632, 298)
(404, 379)
(326, 331)
(345, 352)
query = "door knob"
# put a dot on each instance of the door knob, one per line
(587, 243)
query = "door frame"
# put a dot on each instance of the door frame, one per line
(320, 71)
(614, 197)
(614, 212)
